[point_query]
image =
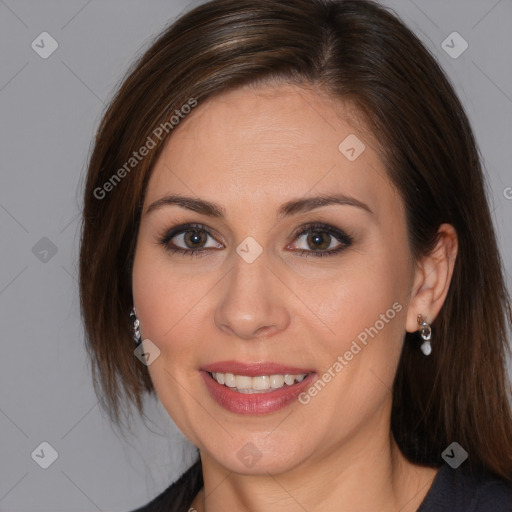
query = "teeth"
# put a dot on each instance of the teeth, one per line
(243, 382)
(276, 381)
(260, 384)
(289, 379)
(229, 380)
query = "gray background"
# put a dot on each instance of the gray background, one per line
(49, 110)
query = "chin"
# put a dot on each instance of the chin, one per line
(255, 455)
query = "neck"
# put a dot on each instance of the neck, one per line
(369, 472)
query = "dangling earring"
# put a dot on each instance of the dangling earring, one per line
(135, 326)
(426, 334)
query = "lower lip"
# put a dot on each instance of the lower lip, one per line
(255, 403)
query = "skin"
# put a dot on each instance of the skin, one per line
(251, 150)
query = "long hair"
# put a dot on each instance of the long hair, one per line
(357, 51)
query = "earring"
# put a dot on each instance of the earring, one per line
(426, 334)
(135, 326)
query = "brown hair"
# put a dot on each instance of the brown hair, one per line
(354, 50)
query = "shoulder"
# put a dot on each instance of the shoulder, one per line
(464, 490)
(179, 494)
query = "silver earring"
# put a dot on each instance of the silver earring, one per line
(135, 326)
(426, 335)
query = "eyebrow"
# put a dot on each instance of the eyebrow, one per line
(287, 209)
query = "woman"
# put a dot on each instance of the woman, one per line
(285, 208)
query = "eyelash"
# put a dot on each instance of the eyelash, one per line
(342, 237)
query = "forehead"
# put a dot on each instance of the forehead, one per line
(270, 143)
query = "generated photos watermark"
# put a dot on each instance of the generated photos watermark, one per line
(343, 360)
(137, 156)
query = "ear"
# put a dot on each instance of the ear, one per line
(432, 278)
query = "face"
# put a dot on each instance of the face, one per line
(279, 318)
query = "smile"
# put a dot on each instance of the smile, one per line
(258, 384)
(255, 388)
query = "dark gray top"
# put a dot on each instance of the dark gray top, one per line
(458, 490)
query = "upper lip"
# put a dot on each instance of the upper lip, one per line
(254, 369)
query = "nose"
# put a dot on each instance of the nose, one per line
(252, 303)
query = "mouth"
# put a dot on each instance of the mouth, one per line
(259, 384)
(257, 388)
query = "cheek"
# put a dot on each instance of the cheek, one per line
(156, 299)
(149, 293)
(168, 303)
(165, 309)
(160, 295)
(356, 299)
(365, 312)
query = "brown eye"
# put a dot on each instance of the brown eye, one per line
(318, 240)
(189, 239)
(195, 238)
(321, 240)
